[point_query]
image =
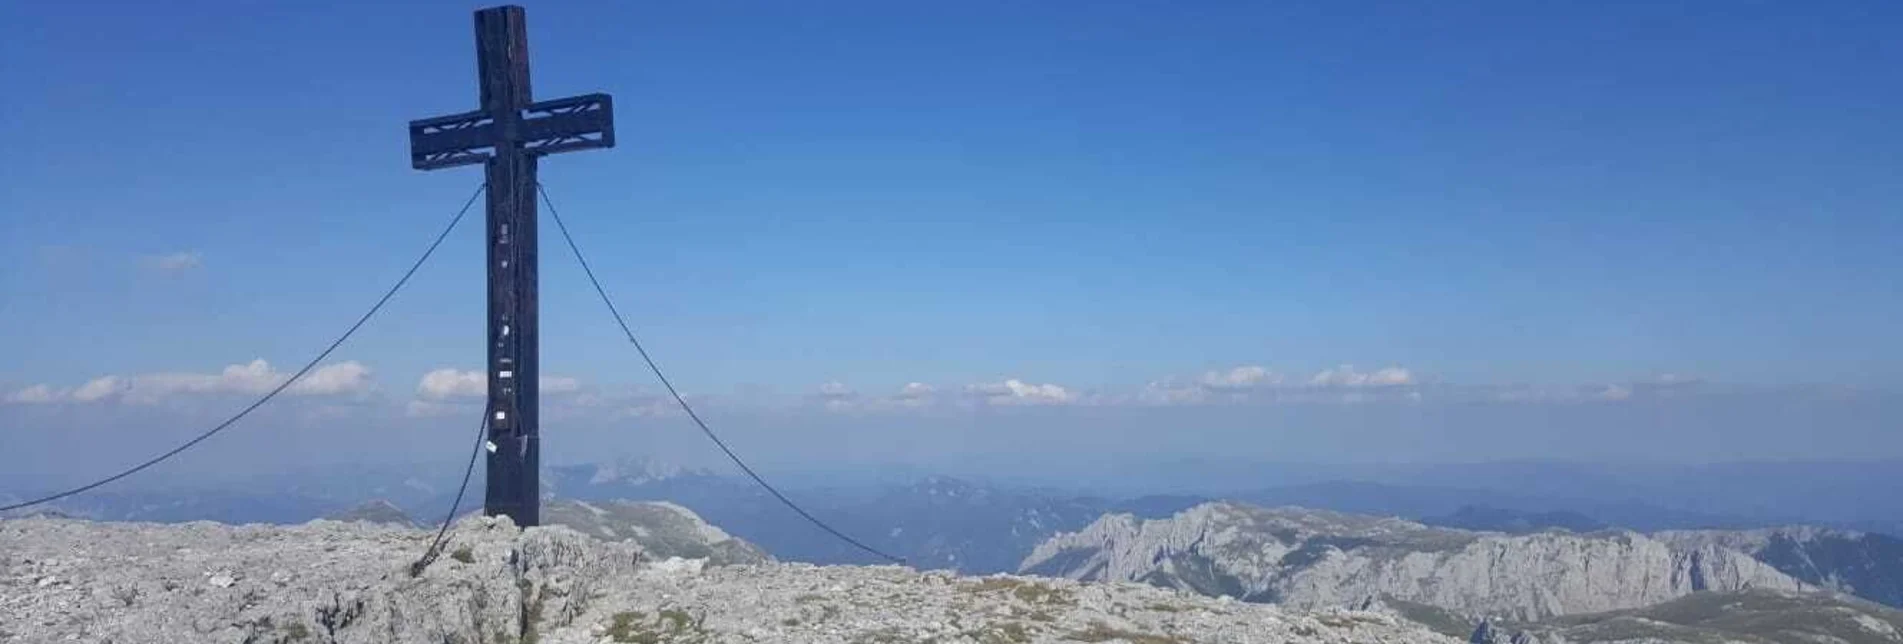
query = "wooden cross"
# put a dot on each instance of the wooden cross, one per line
(507, 136)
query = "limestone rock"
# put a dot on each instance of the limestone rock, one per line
(1865, 564)
(1757, 615)
(1311, 558)
(661, 528)
(329, 581)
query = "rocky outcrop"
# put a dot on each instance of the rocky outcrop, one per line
(1309, 558)
(327, 581)
(1486, 633)
(663, 529)
(1867, 565)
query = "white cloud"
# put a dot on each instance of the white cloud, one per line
(1391, 376)
(452, 383)
(176, 262)
(653, 409)
(1237, 383)
(431, 409)
(1244, 377)
(446, 383)
(255, 377)
(1170, 392)
(1669, 384)
(1018, 392)
(837, 396)
(560, 384)
(613, 402)
(636, 402)
(1346, 376)
(1255, 383)
(332, 379)
(1555, 393)
(36, 394)
(99, 388)
(915, 394)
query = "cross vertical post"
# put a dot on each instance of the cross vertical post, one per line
(515, 133)
(514, 485)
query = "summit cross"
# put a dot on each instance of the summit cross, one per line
(508, 135)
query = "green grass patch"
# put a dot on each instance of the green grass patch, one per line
(1100, 632)
(672, 626)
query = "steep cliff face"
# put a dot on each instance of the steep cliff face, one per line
(1309, 558)
(1867, 565)
(326, 581)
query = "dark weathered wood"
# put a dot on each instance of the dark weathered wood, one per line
(508, 135)
(549, 127)
(502, 63)
(502, 58)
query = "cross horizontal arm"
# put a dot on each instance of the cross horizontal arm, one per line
(449, 141)
(548, 127)
(573, 123)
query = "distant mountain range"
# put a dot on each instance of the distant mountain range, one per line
(936, 522)
(1551, 585)
(1317, 558)
(932, 521)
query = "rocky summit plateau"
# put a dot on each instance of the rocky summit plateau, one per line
(66, 580)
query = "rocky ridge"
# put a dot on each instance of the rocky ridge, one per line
(663, 529)
(328, 581)
(1310, 558)
(1865, 564)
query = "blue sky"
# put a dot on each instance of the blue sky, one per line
(1578, 198)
